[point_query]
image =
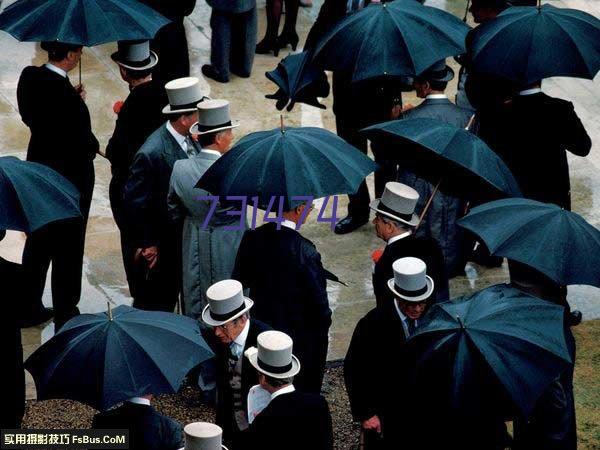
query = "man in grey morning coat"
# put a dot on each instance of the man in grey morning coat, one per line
(233, 39)
(209, 244)
(445, 210)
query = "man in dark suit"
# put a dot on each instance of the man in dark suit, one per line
(157, 241)
(170, 43)
(13, 388)
(148, 430)
(292, 420)
(233, 333)
(532, 134)
(395, 222)
(140, 115)
(376, 349)
(61, 138)
(286, 279)
(440, 221)
(357, 106)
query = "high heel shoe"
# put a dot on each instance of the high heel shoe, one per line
(288, 37)
(267, 46)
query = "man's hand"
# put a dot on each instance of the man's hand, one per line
(150, 255)
(396, 111)
(372, 424)
(81, 91)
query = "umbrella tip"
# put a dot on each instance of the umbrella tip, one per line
(109, 312)
(281, 123)
(462, 325)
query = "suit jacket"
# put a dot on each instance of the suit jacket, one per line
(532, 135)
(148, 430)
(440, 222)
(287, 281)
(59, 121)
(224, 417)
(423, 248)
(147, 188)
(293, 421)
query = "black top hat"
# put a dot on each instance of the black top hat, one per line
(438, 72)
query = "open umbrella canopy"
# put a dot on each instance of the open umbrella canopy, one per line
(436, 150)
(402, 38)
(33, 195)
(499, 343)
(288, 162)
(103, 359)
(298, 81)
(80, 22)
(527, 44)
(558, 243)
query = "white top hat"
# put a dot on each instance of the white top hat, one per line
(398, 202)
(184, 95)
(135, 55)
(226, 302)
(203, 436)
(213, 116)
(274, 355)
(411, 281)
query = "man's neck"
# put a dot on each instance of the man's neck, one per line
(213, 147)
(135, 83)
(61, 65)
(178, 127)
(272, 389)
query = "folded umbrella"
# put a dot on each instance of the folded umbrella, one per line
(558, 243)
(288, 162)
(33, 195)
(499, 346)
(299, 82)
(103, 359)
(527, 44)
(402, 38)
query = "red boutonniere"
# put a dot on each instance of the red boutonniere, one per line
(117, 106)
(376, 255)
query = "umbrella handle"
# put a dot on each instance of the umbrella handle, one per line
(466, 11)
(424, 212)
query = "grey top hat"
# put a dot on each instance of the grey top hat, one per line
(411, 281)
(398, 202)
(184, 95)
(213, 116)
(226, 302)
(135, 55)
(438, 72)
(203, 436)
(274, 355)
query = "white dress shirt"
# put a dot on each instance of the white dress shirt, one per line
(397, 238)
(531, 91)
(55, 69)
(181, 140)
(237, 346)
(288, 224)
(210, 151)
(434, 96)
(139, 401)
(285, 390)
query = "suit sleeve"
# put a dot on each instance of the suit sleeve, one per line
(140, 198)
(174, 205)
(328, 17)
(173, 435)
(575, 138)
(316, 287)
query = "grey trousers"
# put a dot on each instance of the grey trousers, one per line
(233, 41)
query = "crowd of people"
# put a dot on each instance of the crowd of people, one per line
(259, 295)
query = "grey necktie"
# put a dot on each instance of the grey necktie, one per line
(411, 326)
(190, 149)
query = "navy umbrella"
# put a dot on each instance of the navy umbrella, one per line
(402, 38)
(527, 44)
(558, 243)
(33, 195)
(499, 346)
(80, 22)
(288, 162)
(299, 82)
(103, 359)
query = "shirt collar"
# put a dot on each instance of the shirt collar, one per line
(178, 137)
(55, 69)
(286, 390)
(139, 401)
(241, 339)
(288, 224)
(403, 318)
(397, 238)
(436, 96)
(531, 91)
(210, 151)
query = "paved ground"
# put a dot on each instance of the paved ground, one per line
(348, 256)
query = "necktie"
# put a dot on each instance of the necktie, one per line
(410, 324)
(189, 147)
(233, 351)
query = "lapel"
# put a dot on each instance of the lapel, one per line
(171, 150)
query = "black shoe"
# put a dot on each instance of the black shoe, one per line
(267, 46)
(574, 318)
(288, 37)
(210, 72)
(240, 74)
(349, 224)
(38, 318)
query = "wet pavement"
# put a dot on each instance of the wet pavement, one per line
(348, 256)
